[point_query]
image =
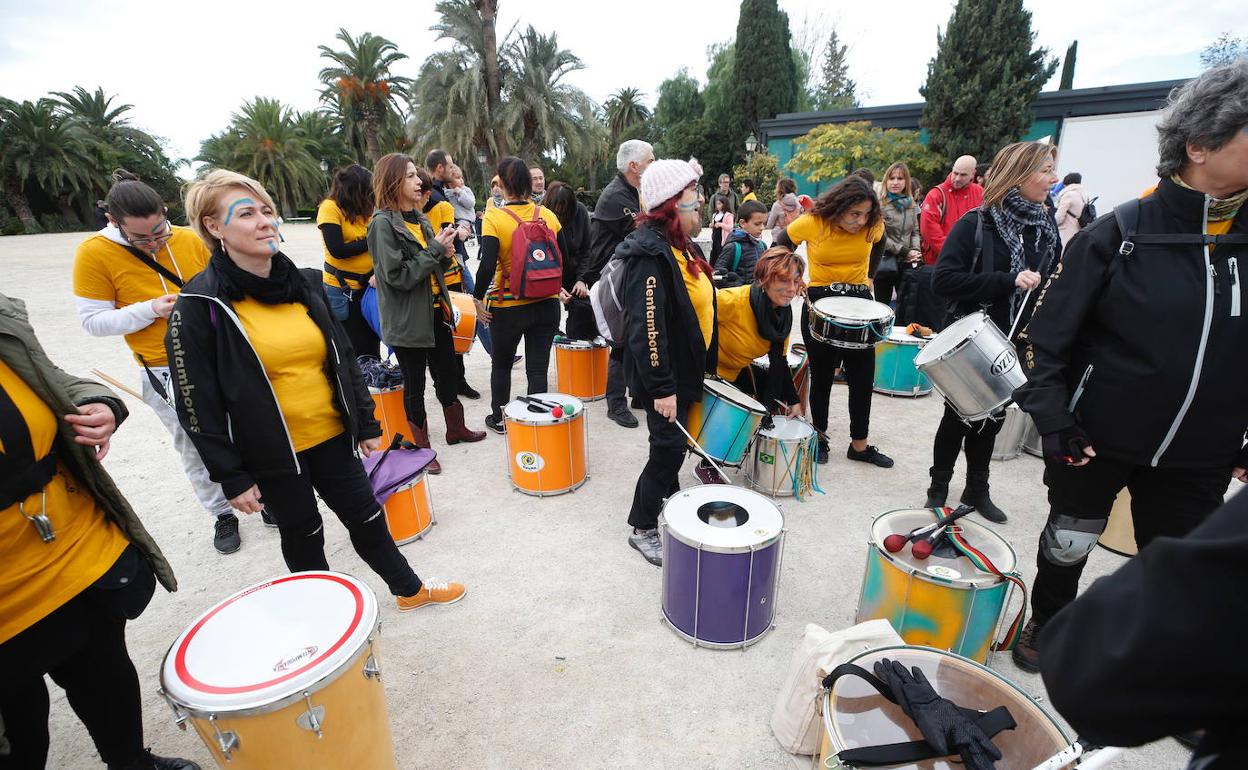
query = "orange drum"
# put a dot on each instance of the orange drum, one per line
(545, 453)
(1119, 534)
(581, 367)
(409, 511)
(388, 408)
(464, 330)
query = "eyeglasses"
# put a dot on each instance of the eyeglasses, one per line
(166, 233)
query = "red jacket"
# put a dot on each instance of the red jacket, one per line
(942, 206)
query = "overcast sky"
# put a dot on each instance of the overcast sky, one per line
(186, 66)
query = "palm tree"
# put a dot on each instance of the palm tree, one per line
(361, 87)
(323, 137)
(40, 147)
(624, 110)
(544, 111)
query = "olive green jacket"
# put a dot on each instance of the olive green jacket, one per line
(405, 273)
(61, 391)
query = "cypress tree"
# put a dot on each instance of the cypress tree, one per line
(836, 90)
(983, 79)
(765, 80)
(1068, 67)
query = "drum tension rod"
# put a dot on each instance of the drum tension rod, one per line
(371, 669)
(226, 741)
(179, 716)
(311, 719)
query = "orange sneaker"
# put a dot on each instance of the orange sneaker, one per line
(431, 593)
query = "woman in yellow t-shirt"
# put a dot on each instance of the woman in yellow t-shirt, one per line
(342, 219)
(75, 560)
(266, 390)
(844, 236)
(511, 318)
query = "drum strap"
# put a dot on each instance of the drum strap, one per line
(991, 722)
(21, 475)
(984, 564)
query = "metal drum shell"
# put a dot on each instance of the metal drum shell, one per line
(977, 376)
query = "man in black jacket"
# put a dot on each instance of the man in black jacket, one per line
(613, 219)
(1137, 355)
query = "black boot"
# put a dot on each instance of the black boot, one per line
(976, 494)
(938, 492)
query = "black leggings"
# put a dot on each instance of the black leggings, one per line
(83, 648)
(332, 470)
(859, 370)
(363, 339)
(660, 478)
(442, 362)
(978, 438)
(535, 323)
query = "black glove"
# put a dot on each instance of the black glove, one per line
(1065, 446)
(767, 423)
(945, 728)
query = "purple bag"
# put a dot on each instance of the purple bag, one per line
(398, 464)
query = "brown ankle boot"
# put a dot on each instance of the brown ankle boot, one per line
(420, 437)
(456, 431)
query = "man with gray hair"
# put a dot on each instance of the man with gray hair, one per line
(1137, 355)
(613, 219)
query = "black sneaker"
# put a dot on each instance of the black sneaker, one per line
(467, 390)
(1026, 653)
(150, 761)
(821, 456)
(268, 519)
(226, 537)
(622, 417)
(495, 424)
(870, 455)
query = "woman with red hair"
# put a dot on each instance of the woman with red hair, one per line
(669, 302)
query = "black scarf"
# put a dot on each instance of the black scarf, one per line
(284, 284)
(774, 324)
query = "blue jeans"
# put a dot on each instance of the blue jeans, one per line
(470, 285)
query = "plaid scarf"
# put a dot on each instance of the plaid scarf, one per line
(1011, 218)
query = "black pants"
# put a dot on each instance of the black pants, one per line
(885, 282)
(618, 366)
(1166, 502)
(443, 364)
(83, 647)
(859, 371)
(953, 436)
(363, 340)
(660, 477)
(331, 470)
(535, 323)
(581, 324)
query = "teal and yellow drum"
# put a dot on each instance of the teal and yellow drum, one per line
(895, 372)
(943, 601)
(724, 421)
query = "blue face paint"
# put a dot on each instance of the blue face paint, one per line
(229, 213)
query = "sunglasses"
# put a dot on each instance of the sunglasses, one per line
(166, 232)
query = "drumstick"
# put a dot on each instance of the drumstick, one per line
(1067, 756)
(1021, 307)
(698, 446)
(116, 383)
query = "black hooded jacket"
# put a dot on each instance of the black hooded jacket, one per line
(613, 219)
(1159, 339)
(223, 396)
(664, 342)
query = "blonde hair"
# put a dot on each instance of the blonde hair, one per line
(202, 198)
(1013, 164)
(905, 173)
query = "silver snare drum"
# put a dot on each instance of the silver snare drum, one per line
(850, 322)
(973, 366)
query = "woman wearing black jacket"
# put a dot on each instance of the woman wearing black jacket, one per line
(669, 302)
(572, 214)
(267, 393)
(1019, 244)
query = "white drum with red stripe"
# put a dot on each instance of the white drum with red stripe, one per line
(285, 673)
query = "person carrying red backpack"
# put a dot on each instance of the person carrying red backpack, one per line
(522, 257)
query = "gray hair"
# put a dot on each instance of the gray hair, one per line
(632, 151)
(1205, 111)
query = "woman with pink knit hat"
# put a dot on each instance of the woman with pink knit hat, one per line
(670, 310)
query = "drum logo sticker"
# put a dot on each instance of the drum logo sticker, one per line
(539, 255)
(304, 655)
(1004, 362)
(763, 457)
(941, 571)
(531, 462)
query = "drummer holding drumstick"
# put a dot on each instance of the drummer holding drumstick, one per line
(844, 235)
(1018, 245)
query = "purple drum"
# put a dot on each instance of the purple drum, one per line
(722, 548)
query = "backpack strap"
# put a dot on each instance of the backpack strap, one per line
(512, 214)
(944, 204)
(1128, 217)
(736, 260)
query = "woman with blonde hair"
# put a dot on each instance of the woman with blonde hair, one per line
(901, 232)
(267, 393)
(1019, 245)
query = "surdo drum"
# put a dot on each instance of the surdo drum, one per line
(895, 372)
(850, 322)
(581, 368)
(545, 453)
(973, 366)
(724, 421)
(389, 411)
(463, 321)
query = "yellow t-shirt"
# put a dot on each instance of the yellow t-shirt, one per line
(441, 214)
(701, 294)
(105, 270)
(739, 340)
(835, 256)
(1220, 228)
(498, 224)
(292, 350)
(328, 213)
(749, 197)
(37, 577)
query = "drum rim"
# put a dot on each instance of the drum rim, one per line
(689, 541)
(762, 362)
(419, 478)
(382, 391)
(276, 703)
(826, 694)
(706, 381)
(571, 344)
(814, 306)
(776, 418)
(550, 420)
(983, 318)
(910, 340)
(924, 575)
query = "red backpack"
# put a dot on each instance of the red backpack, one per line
(536, 264)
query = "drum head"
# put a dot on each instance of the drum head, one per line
(732, 395)
(950, 337)
(269, 641)
(518, 411)
(570, 344)
(899, 336)
(958, 571)
(762, 362)
(853, 309)
(786, 429)
(856, 716)
(717, 517)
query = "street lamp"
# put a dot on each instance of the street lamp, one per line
(751, 144)
(324, 166)
(481, 156)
